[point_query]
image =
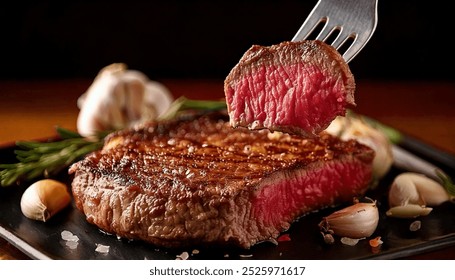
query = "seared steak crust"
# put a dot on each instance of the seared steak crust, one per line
(199, 181)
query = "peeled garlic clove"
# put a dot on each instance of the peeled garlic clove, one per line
(414, 188)
(408, 211)
(44, 198)
(357, 221)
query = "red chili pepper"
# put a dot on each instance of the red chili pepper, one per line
(284, 237)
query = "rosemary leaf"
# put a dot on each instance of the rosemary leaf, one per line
(67, 134)
(185, 104)
(447, 183)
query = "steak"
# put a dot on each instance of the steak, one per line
(198, 181)
(295, 87)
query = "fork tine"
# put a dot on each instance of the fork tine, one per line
(356, 46)
(342, 38)
(328, 29)
(310, 24)
(348, 24)
(307, 28)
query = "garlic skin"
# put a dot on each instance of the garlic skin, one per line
(354, 128)
(44, 198)
(356, 221)
(119, 98)
(415, 188)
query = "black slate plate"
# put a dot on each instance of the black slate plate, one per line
(43, 240)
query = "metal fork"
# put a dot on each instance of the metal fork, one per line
(347, 25)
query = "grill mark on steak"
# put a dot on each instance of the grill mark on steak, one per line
(200, 181)
(296, 87)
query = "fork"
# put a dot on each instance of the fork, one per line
(347, 25)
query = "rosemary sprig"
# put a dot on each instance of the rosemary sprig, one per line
(184, 104)
(37, 159)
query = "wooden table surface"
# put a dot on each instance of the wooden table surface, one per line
(423, 109)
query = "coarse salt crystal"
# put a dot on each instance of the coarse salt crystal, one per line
(70, 238)
(349, 241)
(183, 256)
(103, 249)
(71, 244)
(415, 226)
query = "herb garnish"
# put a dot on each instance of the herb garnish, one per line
(46, 158)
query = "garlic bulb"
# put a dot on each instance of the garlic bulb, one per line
(44, 198)
(356, 221)
(119, 98)
(354, 128)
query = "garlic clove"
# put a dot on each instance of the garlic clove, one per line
(355, 128)
(43, 199)
(408, 211)
(415, 188)
(356, 221)
(403, 191)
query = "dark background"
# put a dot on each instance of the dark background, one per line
(205, 39)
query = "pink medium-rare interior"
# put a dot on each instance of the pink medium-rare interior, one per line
(306, 190)
(287, 95)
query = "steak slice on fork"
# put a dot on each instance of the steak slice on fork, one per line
(295, 87)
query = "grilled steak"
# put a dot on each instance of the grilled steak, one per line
(296, 87)
(199, 181)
